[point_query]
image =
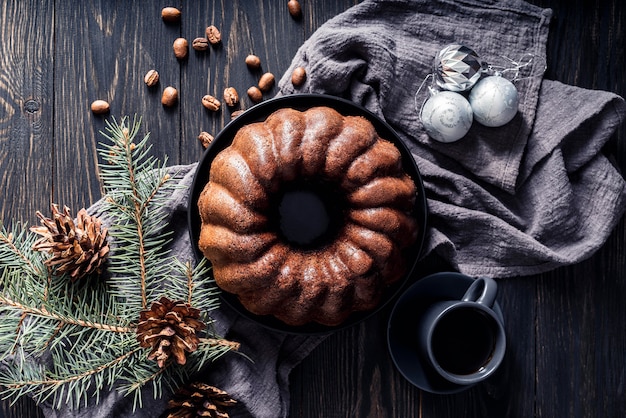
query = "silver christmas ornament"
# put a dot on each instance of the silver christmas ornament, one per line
(457, 68)
(446, 116)
(494, 101)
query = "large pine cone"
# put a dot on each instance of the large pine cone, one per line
(78, 247)
(169, 328)
(199, 400)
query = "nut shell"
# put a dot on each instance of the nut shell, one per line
(205, 139)
(298, 77)
(253, 62)
(200, 44)
(255, 94)
(213, 35)
(181, 48)
(231, 98)
(170, 96)
(170, 14)
(236, 113)
(151, 78)
(266, 82)
(211, 103)
(294, 9)
(100, 107)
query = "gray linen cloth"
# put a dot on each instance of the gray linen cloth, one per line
(520, 199)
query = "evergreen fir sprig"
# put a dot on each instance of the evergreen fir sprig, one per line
(65, 341)
(13, 256)
(132, 180)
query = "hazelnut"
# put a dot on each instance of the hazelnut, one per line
(151, 78)
(170, 14)
(170, 96)
(211, 102)
(230, 96)
(255, 94)
(294, 9)
(253, 62)
(100, 107)
(266, 82)
(213, 35)
(181, 48)
(298, 77)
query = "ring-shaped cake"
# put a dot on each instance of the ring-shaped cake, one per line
(296, 168)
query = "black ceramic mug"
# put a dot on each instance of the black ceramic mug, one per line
(464, 340)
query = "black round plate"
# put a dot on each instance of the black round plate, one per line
(302, 102)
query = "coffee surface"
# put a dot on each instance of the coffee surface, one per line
(463, 341)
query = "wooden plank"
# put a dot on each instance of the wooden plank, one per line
(351, 375)
(26, 118)
(60, 60)
(246, 28)
(102, 51)
(580, 316)
(567, 345)
(581, 342)
(26, 112)
(586, 44)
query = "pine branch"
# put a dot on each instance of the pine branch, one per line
(133, 181)
(200, 290)
(60, 381)
(44, 313)
(43, 384)
(209, 350)
(8, 249)
(67, 341)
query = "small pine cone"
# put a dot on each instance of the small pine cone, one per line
(199, 400)
(78, 247)
(169, 329)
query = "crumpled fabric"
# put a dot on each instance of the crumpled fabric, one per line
(520, 199)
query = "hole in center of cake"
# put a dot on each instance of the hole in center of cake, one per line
(308, 215)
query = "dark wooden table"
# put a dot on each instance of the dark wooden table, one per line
(566, 328)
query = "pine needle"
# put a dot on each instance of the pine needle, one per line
(65, 342)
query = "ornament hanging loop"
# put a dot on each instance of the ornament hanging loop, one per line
(516, 68)
(431, 91)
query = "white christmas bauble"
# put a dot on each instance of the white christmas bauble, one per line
(494, 101)
(446, 116)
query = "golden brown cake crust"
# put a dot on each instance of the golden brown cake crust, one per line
(327, 282)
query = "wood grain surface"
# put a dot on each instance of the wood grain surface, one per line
(567, 344)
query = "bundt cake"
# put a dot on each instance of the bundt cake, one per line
(306, 215)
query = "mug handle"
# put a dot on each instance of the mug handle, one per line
(482, 291)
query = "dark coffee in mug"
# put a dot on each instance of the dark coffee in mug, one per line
(463, 340)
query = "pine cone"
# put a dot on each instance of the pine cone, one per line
(78, 247)
(199, 400)
(169, 328)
